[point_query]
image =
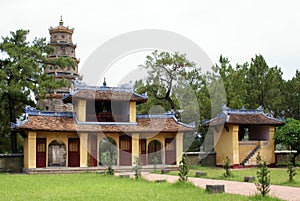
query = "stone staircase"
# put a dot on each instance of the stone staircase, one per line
(251, 158)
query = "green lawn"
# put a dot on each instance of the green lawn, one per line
(91, 186)
(279, 176)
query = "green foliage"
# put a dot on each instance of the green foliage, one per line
(155, 161)
(108, 161)
(175, 83)
(292, 97)
(164, 68)
(251, 85)
(22, 74)
(258, 159)
(193, 146)
(264, 85)
(234, 82)
(183, 169)
(226, 167)
(263, 178)
(289, 136)
(291, 169)
(137, 166)
(108, 149)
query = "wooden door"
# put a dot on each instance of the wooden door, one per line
(73, 152)
(170, 153)
(125, 150)
(142, 151)
(40, 152)
(93, 150)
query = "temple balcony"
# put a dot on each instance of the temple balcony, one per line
(107, 117)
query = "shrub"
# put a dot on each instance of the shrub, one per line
(183, 169)
(137, 166)
(108, 161)
(263, 178)
(155, 161)
(226, 167)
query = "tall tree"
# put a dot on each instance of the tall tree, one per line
(264, 86)
(292, 97)
(175, 83)
(22, 74)
(234, 82)
(4, 130)
(164, 68)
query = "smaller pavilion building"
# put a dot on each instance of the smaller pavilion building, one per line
(242, 134)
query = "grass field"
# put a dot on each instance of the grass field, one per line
(91, 186)
(279, 176)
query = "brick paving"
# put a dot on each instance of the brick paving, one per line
(233, 187)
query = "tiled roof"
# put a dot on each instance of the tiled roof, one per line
(244, 119)
(64, 124)
(105, 95)
(253, 119)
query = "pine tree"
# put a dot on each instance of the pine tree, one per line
(183, 169)
(137, 166)
(263, 177)
(226, 167)
(258, 159)
(22, 74)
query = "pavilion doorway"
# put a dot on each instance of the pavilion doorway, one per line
(57, 154)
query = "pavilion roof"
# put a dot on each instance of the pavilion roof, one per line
(244, 117)
(104, 93)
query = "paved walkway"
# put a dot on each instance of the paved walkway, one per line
(242, 188)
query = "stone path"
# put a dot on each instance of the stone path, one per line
(242, 188)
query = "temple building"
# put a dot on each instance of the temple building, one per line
(91, 126)
(242, 134)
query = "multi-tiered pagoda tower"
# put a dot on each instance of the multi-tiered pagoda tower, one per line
(61, 39)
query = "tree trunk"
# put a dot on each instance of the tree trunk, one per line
(12, 117)
(294, 158)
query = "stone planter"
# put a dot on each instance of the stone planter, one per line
(215, 188)
(200, 174)
(165, 171)
(249, 178)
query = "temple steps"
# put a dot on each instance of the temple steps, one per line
(251, 158)
(74, 170)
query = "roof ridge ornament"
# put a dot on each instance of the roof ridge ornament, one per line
(260, 109)
(104, 82)
(225, 109)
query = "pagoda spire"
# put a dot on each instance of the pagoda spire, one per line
(61, 22)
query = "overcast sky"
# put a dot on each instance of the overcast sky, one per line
(236, 29)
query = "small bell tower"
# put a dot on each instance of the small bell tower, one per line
(61, 40)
